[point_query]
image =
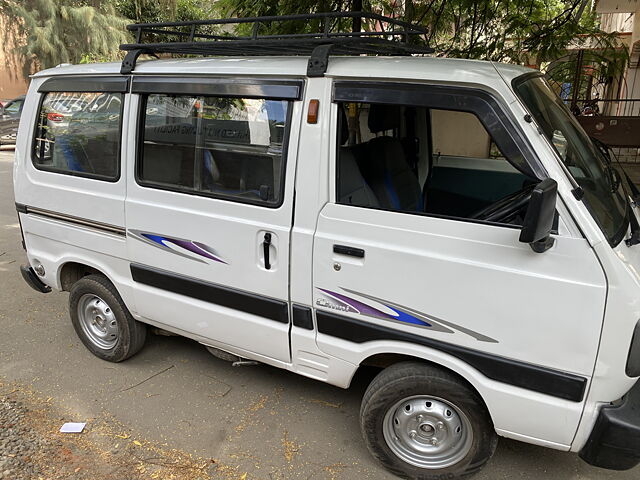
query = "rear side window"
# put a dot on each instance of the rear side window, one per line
(223, 147)
(79, 134)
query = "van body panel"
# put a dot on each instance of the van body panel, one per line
(570, 310)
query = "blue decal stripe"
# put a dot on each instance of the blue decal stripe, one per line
(406, 318)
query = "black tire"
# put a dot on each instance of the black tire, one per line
(131, 334)
(407, 379)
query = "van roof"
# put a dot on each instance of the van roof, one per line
(373, 67)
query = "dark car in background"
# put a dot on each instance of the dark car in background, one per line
(9, 120)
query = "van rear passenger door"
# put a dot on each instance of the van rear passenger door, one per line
(209, 209)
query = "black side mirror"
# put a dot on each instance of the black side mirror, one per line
(538, 221)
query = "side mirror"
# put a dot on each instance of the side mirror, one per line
(538, 221)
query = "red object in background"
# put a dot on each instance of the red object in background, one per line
(55, 117)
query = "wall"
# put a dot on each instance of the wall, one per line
(12, 83)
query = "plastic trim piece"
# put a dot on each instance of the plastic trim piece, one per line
(220, 87)
(633, 360)
(276, 310)
(83, 222)
(32, 279)
(614, 442)
(302, 317)
(513, 372)
(112, 84)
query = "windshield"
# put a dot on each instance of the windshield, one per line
(603, 195)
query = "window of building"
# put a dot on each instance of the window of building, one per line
(79, 134)
(424, 160)
(215, 146)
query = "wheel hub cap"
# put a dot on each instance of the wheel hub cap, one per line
(427, 432)
(98, 321)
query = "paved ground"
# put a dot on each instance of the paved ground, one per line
(267, 423)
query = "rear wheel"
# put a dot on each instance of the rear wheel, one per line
(422, 422)
(102, 321)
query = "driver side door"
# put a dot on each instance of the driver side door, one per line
(445, 276)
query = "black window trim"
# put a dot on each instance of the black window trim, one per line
(416, 94)
(218, 196)
(72, 173)
(238, 87)
(88, 84)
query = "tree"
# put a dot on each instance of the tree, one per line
(65, 31)
(499, 30)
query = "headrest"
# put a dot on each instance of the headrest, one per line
(344, 124)
(383, 117)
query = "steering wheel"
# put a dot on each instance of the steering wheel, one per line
(507, 207)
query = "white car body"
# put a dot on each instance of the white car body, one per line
(569, 312)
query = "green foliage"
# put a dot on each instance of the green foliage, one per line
(65, 31)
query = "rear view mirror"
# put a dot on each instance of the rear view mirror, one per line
(538, 221)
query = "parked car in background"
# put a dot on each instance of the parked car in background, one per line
(9, 119)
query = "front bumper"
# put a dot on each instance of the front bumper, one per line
(614, 442)
(32, 280)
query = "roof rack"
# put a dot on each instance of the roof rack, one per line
(388, 36)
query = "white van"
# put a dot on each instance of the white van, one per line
(447, 221)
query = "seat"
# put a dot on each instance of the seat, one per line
(386, 167)
(353, 189)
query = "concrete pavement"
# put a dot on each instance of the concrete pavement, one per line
(267, 422)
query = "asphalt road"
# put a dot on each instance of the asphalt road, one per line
(267, 422)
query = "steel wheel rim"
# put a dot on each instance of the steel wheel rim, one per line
(98, 322)
(427, 432)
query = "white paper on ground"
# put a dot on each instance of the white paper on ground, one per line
(72, 427)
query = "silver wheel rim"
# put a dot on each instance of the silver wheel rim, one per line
(98, 322)
(427, 432)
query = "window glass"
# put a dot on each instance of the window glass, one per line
(422, 160)
(13, 107)
(79, 134)
(603, 193)
(223, 147)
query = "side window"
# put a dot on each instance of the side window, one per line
(13, 108)
(427, 161)
(79, 134)
(215, 146)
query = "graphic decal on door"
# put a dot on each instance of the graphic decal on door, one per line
(179, 246)
(394, 313)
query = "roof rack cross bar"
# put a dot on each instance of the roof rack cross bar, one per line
(385, 35)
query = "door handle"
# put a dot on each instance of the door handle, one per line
(346, 250)
(266, 244)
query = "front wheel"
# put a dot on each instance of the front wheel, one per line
(102, 321)
(422, 422)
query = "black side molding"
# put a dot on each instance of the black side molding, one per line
(302, 317)
(513, 372)
(259, 305)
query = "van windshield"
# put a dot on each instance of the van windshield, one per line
(603, 193)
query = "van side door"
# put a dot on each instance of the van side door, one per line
(209, 209)
(420, 244)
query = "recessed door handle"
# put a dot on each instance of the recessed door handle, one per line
(346, 250)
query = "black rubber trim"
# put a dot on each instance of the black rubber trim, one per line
(20, 208)
(633, 360)
(111, 84)
(219, 87)
(614, 442)
(302, 317)
(496, 119)
(32, 279)
(513, 372)
(277, 310)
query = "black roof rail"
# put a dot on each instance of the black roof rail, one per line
(388, 36)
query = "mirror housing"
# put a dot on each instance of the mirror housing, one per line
(541, 212)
